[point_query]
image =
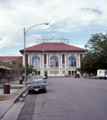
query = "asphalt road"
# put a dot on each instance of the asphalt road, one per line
(68, 99)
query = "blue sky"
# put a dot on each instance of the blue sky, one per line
(75, 20)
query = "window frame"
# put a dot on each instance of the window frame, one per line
(72, 61)
(54, 61)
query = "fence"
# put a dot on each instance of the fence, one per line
(4, 80)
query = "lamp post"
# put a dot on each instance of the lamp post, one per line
(25, 46)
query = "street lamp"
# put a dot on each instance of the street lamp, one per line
(25, 46)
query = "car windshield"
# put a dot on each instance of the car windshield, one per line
(38, 77)
(36, 81)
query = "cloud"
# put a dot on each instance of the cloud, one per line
(52, 34)
(93, 10)
(81, 46)
(63, 16)
(32, 40)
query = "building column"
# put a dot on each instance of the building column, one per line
(23, 60)
(43, 61)
(60, 60)
(47, 60)
(29, 59)
(79, 60)
(65, 60)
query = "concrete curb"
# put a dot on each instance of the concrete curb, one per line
(14, 100)
(20, 94)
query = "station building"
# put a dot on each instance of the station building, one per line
(54, 59)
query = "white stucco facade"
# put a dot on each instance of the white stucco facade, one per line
(61, 70)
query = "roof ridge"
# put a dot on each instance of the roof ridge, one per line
(53, 47)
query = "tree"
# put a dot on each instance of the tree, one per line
(98, 44)
(96, 55)
(29, 69)
(89, 63)
(80, 70)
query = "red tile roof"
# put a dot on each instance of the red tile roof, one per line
(53, 47)
(11, 58)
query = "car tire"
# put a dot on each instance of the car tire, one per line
(29, 92)
(44, 91)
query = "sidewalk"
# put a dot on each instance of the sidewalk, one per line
(12, 97)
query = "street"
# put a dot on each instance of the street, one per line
(68, 99)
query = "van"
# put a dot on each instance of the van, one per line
(102, 73)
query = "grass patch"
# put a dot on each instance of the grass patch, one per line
(3, 97)
(20, 87)
(14, 87)
(1, 87)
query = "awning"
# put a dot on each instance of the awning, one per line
(4, 67)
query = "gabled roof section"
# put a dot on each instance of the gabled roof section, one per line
(53, 47)
(19, 58)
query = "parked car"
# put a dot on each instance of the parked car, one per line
(37, 76)
(37, 84)
(77, 76)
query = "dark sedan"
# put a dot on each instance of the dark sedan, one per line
(36, 84)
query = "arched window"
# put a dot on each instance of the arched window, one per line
(72, 61)
(54, 61)
(36, 62)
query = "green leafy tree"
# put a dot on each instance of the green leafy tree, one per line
(80, 70)
(89, 63)
(29, 69)
(96, 55)
(98, 44)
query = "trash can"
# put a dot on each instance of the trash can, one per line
(6, 88)
(21, 81)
